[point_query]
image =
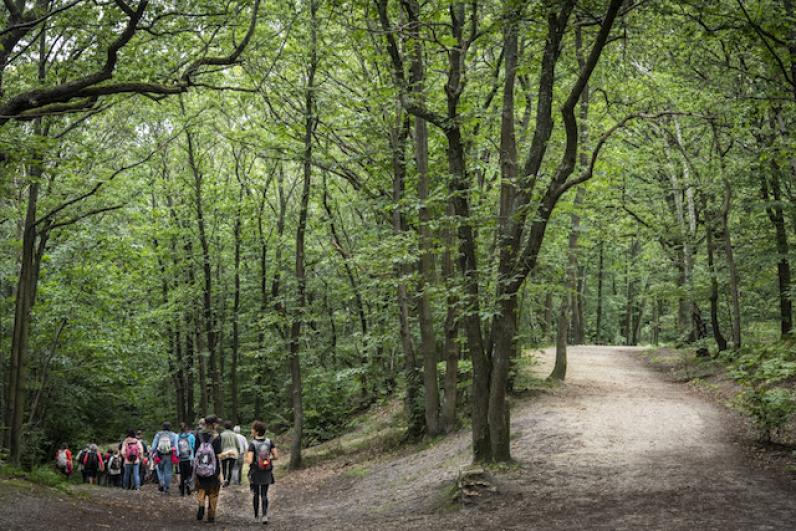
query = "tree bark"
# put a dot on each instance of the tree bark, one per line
(600, 272)
(560, 368)
(771, 191)
(236, 316)
(428, 350)
(721, 342)
(310, 122)
(451, 347)
(213, 367)
(413, 405)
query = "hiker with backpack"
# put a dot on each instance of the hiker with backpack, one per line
(262, 451)
(133, 454)
(92, 464)
(229, 451)
(185, 443)
(164, 454)
(206, 465)
(243, 445)
(80, 455)
(115, 467)
(63, 460)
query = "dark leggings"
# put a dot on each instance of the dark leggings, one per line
(260, 491)
(228, 465)
(186, 470)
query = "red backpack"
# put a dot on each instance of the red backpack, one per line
(132, 452)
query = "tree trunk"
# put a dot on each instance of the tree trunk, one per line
(413, 405)
(721, 343)
(428, 350)
(560, 369)
(547, 320)
(209, 318)
(301, 279)
(772, 195)
(451, 347)
(600, 270)
(236, 317)
(25, 296)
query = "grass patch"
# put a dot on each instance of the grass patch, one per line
(44, 476)
(357, 471)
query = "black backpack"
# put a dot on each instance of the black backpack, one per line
(92, 461)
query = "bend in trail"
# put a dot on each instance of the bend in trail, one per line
(617, 447)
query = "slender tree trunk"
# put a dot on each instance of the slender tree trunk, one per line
(207, 293)
(721, 342)
(428, 350)
(367, 394)
(413, 404)
(656, 324)
(547, 320)
(262, 263)
(236, 317)
(772, 194)
(600, 271)
(451, 347)
(560, 369)
(301, 278)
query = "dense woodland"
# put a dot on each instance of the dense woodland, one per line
(294, 209)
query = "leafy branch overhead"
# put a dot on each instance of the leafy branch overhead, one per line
(30, 22)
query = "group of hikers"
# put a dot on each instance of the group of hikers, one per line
(205, 459)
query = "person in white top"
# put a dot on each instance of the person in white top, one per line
(237, 472)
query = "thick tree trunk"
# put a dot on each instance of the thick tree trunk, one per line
(25, 296)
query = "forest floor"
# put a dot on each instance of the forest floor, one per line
(619, 446)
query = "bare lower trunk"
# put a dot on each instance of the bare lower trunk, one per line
(721, 343)
(560, 369)
(451, 347)
(599, 320)
(301, 278)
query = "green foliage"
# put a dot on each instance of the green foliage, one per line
(765, 371)
(45, 476)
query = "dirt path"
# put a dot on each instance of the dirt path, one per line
(618, 447)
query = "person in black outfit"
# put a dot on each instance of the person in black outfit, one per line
(259, 456)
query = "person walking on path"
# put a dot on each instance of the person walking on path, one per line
(229, 451)
(115, 467)
(185, 444)
(164, 454)
(80, 456)
(63, 460)
(207, 467)
(243, 444)
(262, 451)
(92, 464)
(132, 452)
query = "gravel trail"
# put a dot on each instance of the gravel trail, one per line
(617, 447)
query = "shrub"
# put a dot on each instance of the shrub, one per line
(769, 408)
(762, 370)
